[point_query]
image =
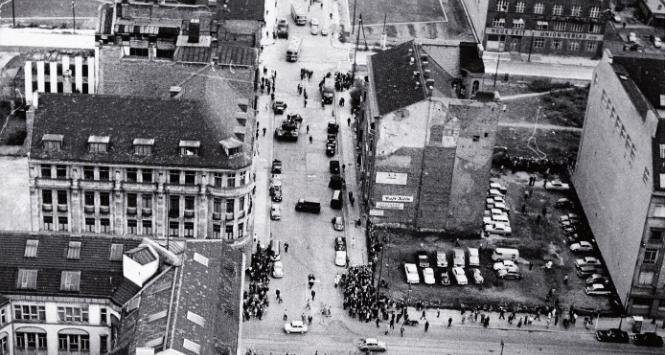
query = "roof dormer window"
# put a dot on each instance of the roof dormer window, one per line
(143, 146)
(231, 146)
(189, 148)
(52, 142)
(98, 144)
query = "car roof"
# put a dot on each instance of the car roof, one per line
(297, 323)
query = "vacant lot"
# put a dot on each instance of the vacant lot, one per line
(561, 108)
(554, 143)
(373, 12)
(539, 239)
(51, 8)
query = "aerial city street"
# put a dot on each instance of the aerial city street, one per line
(321, 177)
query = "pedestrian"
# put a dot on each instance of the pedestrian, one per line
(426, 326)
(438, 313)
(310, 139)
(309, 319)
(307, 128)
(299, 89)
(565, 279)
(313, 294)
(343, 168)
(530, 266)
(450, 321)
(463, 318)
(348, 120)
(502, 314)
(323, 103)
(285, 317)
(322, 4)
(487, 321)
(401, 331)
(305, 103)
(392, 323)
(272, 96)
(399, 316)
(286, 247)
(277, 293)
(264, 131)
(304, 93)
(377, 322)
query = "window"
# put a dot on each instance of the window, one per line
(557, 10)
(105, 225)
(132, 200)
(70, 281)
(230, 205)
(241, 230)
(228, 230)
(645, 278)
(174, 206)
(61, 171)
(3, 316)
(558, 26)
(217, 205)
(146, 175)
(243, 178)
(573, 46)
(594, 12)
(4, 346)
(132, 174)
(217, 179)
(98, 144)
(591, 46)
(189, 230)
(62, 197)
(90, 225)
(502, 5)
(103, 343)
(26, 279)
(174, 229)
(29, 312)
(542, 25)
(518, 24)
(189, 203)
(174, 177)
(117, 250)
(143, 146)
(231, 180)
(31, 246)
(216, 231)
(104, 173)
(74, 342)
(46, 171)
(30, 341)
(73, 314)
(556, 43)
(147, 226)
(89, 198)
(538, 8)
(47, 196)
(646, 175)
(577, 27)
(74, 250)
(241, 203)
(576, 10)
(147, 201)
(650, 256)
(131, 226)
(189, 148)
(538, 43)
(595, 28)
(519, 8)
(88, 173)
(661, 148)
(190, 177)
(104, 199)
(63, 223)
(499, 22)
(48, 223)
(655, 236)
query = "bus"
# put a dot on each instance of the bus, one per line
(298, 15)
(293, 50)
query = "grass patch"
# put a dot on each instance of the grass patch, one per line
(561, 108)
(556, 144)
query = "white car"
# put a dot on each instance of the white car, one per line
(325, 29)
(428, 276)
(340, 258)
(295, 326)
(314, 26)
(372, 345)
(597, 290)
(441, 259)
(495, 192)
(496, 185)
(507, 265)
(275, 212)
(474, 257)
(581, 247)
(587, 260)
(460, 277)
(411, 271)
(477, 277)
(498, 228)
(338, 223)
(501, 206)
(278, 270)
(657, 42)
(557, 185)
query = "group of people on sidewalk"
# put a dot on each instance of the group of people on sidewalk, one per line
(255, 300)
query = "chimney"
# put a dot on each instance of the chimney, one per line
(169, 256)
(194, 31)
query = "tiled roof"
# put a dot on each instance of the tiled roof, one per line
(647, 74)
(470, 58)
(224, 53)
(100, 277)
(243, 10)
(77, 117)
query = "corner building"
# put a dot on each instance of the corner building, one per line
(137, 166)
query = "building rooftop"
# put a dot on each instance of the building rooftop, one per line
(194, 305)
(470, 58)
(655, 6)
(251, 10)
(643, 78)
(62, 265)
(168, 121)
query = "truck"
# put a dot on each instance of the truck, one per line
(282, 28)
(298, 15)
(289, 128)
(293, 50)
(327, 89)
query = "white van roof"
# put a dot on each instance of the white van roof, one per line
(506, 250)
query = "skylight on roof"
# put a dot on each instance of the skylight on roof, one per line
(117, 250)
(27, 279)
(196, 318)
(74, 250)
(52, 142)
(191, 346)
(98, 144)
(70, 281)
(31, 246)
(143, 146)
(200, 259)
(662, 100)
(189, 148)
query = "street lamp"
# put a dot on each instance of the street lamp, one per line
(73, 14)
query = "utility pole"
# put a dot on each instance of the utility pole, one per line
(355, 52)
(384, 36)
(353, 25)
(501, 347)
(73, 14)
(13, 15)
(496, 71)
(530, 48)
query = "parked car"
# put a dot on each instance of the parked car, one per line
(423, 259)
(441, 259)
(477, 276)
(507, 265)
(340, 251)
(325, 29)
(338, 223)
(278, 107)
(586, 270)
(499, 228)
(501, 206)
(275, 212)
(276, 166)
(460, 277)
(334, 166)
(597, 279)
(657, 42)
(613, 335)
(340, 244)
(277, 270)
(648, 339)
(276, 194)
(587, 260)
(458, 257)
(428, 276)
(495, 192)
(505, 274)
(496, 185)
(581, 247)
(556, 185)
(295, 326)
(563, 203)
(411, 271)
(372, 345)
(597, 290)
(314, 26)
(445, 278)
(332, 128)
(474, 257)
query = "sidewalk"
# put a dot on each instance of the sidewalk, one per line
(537, 325)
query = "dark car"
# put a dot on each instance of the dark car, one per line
(612, 335)
(340, 244)
(276, 166)
(334, 166)
(586, 270)
(276, 193)
(330, 150)
(278, 107)
(333, 128)
(336, 182)
(423, 259)
(648, 339)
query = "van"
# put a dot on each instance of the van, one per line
(276, 247)
(336, 200)
(458, 257)
(503, 218)
(308, 205)
(298, 15)
(441, 259)
(505, 254)
(293, 50)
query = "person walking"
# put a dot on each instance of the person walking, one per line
(438, 313)
(305, 103)
(401, 329)
(348, 120)
(277, 294)
(286, 247)
(450, 322)
(392, 323)
(307, 128)
(426, 326)
(313, 294)
(377, 322)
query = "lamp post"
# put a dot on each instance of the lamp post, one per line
(13, 15)
(73, 14)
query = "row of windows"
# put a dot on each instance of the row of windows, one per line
(176, 177)
(539, 8)
(500, 22)
(66, 342)
(615, 119)
(556, 43)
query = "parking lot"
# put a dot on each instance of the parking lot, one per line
(544, 264)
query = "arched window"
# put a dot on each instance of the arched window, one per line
(475, 86)
(73, 339)
(30, 338)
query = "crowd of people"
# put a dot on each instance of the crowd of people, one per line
(255, 300)
(531, 164)
(343, 81)
(359, 292)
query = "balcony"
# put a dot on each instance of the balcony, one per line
(104, 209)
(189, 213)
(30, 352)
(216, 216)
(131, 211)
(47, 207)
(229, 216)
(182, 189)
(96, 185)
(89, 209)
(62, 207)
(53, 183)
(241, 214)
(146, 211)
(174, 213)
(139, 187)
(230, 191)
